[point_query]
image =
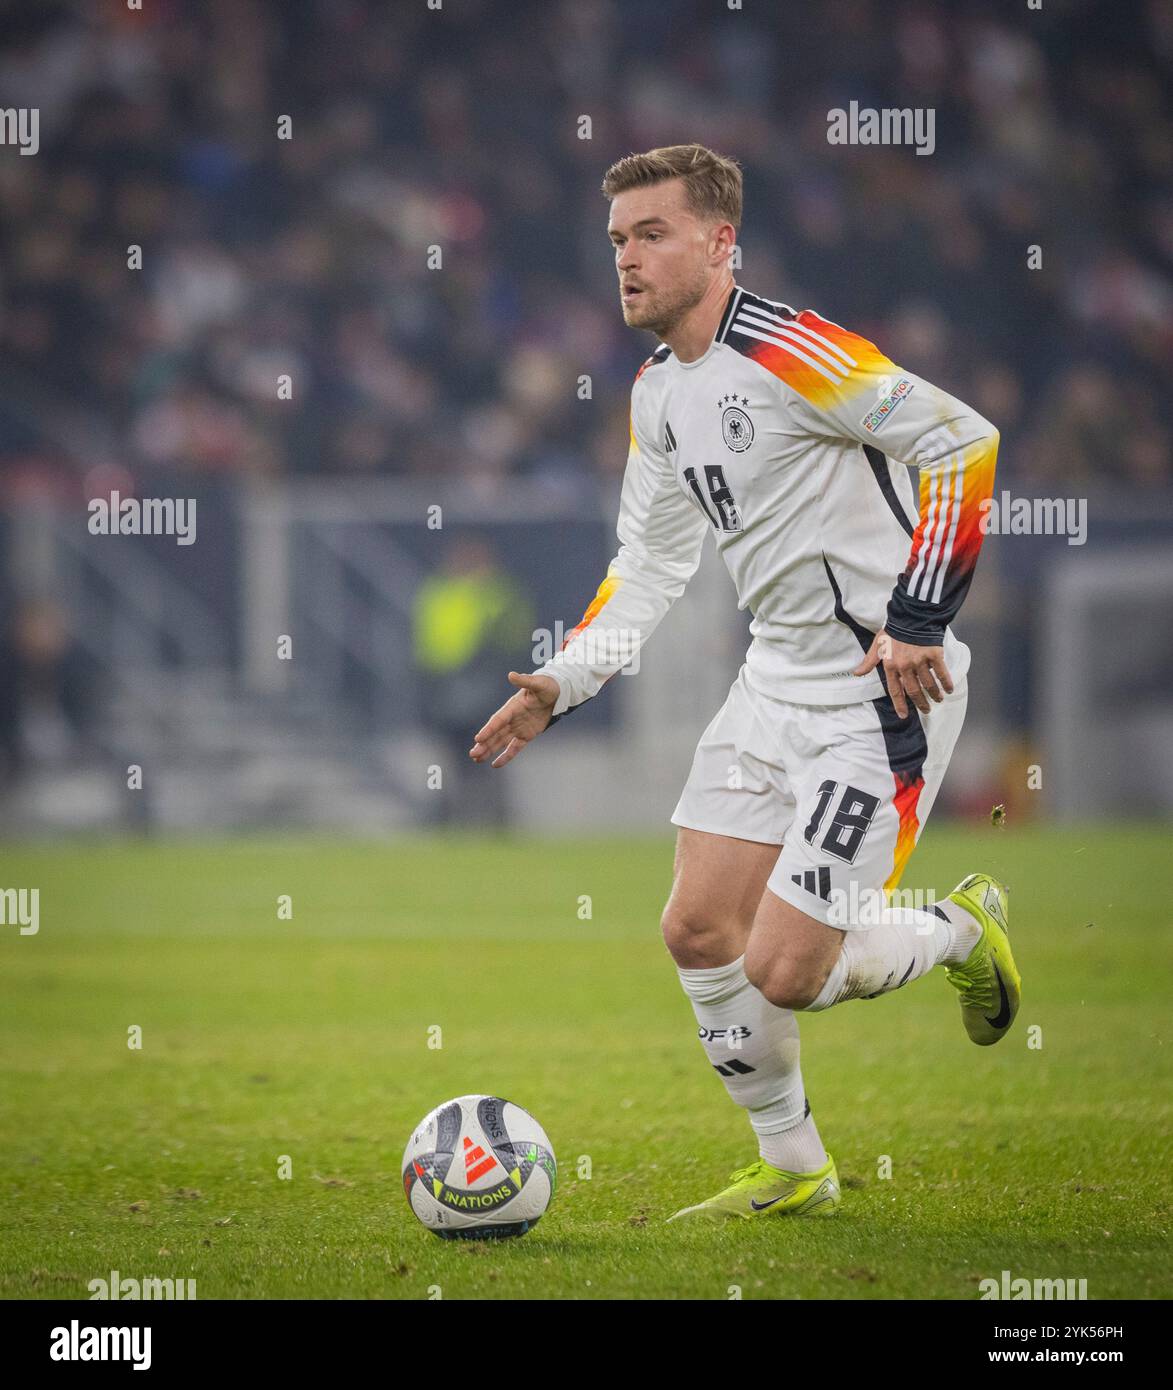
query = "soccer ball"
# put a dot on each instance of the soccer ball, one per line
(479, 1167)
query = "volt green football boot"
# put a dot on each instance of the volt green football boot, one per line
(987, 980)
(762, 1190)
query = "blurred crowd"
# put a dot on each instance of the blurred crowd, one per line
(413, 128)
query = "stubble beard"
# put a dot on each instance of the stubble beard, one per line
(668, 308)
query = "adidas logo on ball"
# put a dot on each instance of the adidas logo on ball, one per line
(479, 1167)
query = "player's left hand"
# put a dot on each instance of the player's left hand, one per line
(913, 672)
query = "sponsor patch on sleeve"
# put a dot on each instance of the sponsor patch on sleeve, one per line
(885, 408)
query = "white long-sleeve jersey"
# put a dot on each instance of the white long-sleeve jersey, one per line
(788, 439)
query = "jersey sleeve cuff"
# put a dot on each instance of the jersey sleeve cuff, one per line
(562, 704)
(918, 624)
(554, 718)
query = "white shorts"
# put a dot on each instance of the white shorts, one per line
(845, 789)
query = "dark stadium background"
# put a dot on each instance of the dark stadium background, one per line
(458, 386)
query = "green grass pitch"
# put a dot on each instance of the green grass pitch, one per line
(310, 1038)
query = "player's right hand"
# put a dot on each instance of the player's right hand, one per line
(520, 719)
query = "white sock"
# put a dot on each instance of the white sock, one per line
(753, 1045)
(904, 945)
(966, 931)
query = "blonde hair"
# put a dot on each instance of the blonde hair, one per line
(712, 182)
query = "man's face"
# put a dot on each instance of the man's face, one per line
(660, 255)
